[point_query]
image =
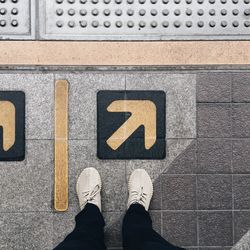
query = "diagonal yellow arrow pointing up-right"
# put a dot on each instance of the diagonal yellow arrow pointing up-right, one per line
(143, 112)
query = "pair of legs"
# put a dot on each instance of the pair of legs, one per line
(137, 230)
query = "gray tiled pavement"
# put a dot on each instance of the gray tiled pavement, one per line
(200, 200)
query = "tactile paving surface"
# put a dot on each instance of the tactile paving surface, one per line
(16, 19)
(145, 19)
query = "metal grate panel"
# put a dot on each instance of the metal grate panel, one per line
(16, 19)
(145, 19)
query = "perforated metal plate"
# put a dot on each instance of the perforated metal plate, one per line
(17, 19)
(145, 19)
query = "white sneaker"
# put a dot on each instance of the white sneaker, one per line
(88, 188)
(140, 188)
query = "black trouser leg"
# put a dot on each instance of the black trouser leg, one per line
(138, 233)
(88, 233)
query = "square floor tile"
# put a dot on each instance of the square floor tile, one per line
(241, 187)
(241, 156)
(178, 192)
(215, 228)
(214, 192)
(241, 120)
(214, 156)
(180, 228)
(12, 125)
(214, 120)
(214, 87)
(241, 87)
(141, 135)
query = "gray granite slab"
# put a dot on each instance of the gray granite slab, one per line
(214, 192)
(27, 185)
(82, 100)
(26, 231)
(39, 92)
(82, 154)
(214, 87)
(180, 102)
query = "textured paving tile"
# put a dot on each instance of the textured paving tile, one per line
(241, 156)
(214, 87)
(213, 120)
(180, 91)
(214, 192)
(27, 185)
(178, 192)
(241, 186)
(179, 228)
(82, 100)
(241, 120)
(26, 231)
(82, 154)
(39, 103)
(215, 228)
(241, 87)
(241, 224)
(186, 162)
(214, 156)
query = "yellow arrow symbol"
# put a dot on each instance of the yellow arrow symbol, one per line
(8, 122)
(143, 112)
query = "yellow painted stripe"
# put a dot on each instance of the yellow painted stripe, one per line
(61, 146)
(124, 53)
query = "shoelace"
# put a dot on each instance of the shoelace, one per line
(138, 197)
(90, 195)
